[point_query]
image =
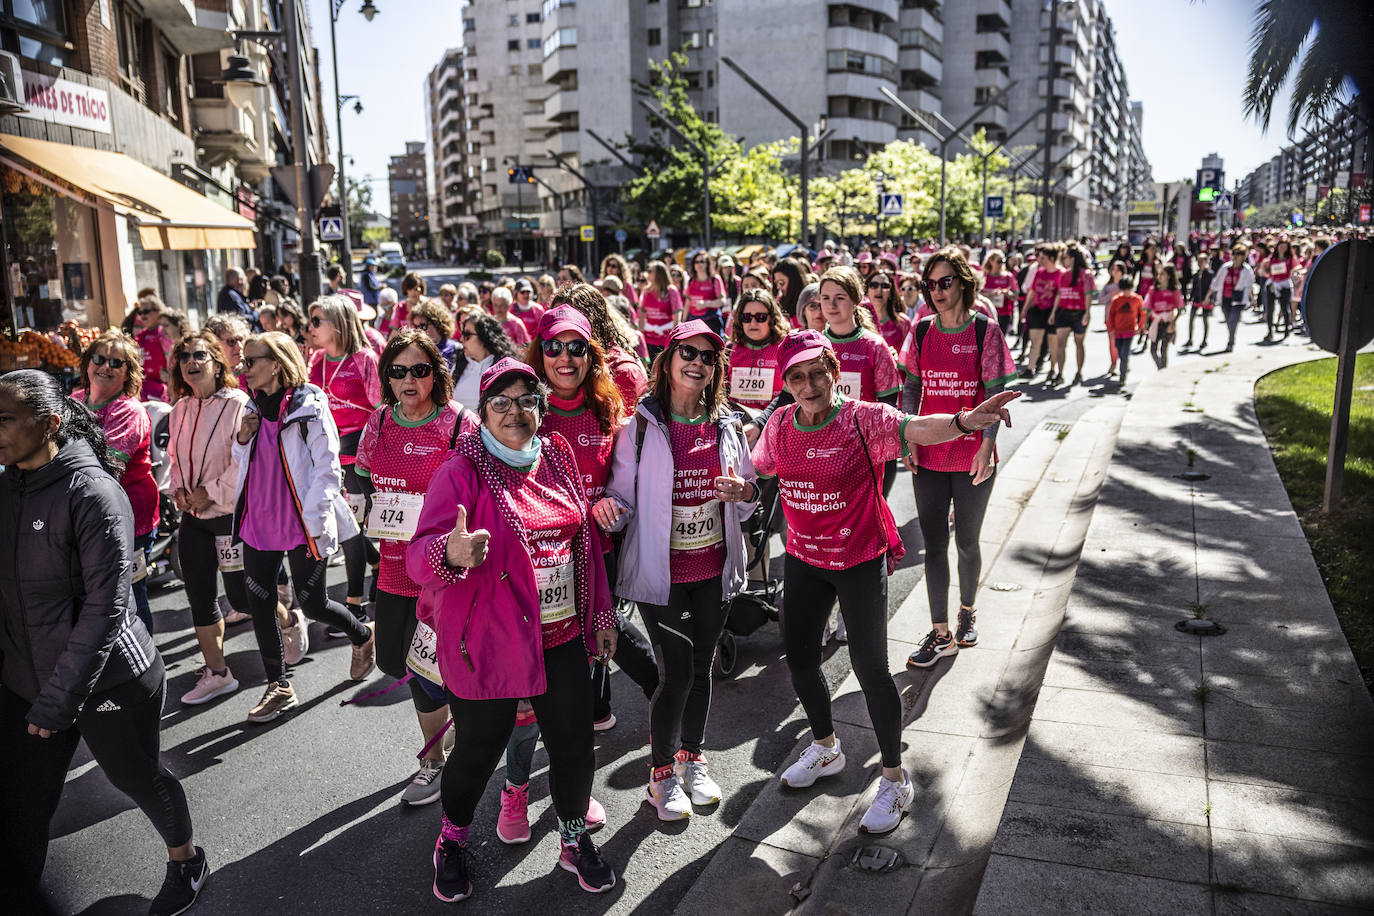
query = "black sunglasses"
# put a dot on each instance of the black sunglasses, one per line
(421, 325)
(115, 362)
(876, 284)
(576, 348)
(943, 283)
(186, 356)
(248, 361)
(148, 311)
(316, 320)
(753, 317)
(529, 403)
(468, 335)
(689, 353)
(396, 371)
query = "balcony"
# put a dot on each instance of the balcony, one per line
(888, 9)
(190, 30)
(993, 77)
(1073, 127)
(849, 38)
(924, 20)
(863, 129)
(925, 65)
(993, 9)
(229, 133)
(993, 43)
(560, 63)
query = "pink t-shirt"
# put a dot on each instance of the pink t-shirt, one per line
(867, 369)
(829, 493)
(1043, 287)
(155, 345)
(129, 434)
(952, 379)
(400, 456)
(697, 518)
(753, 373)
(551, 521)
(1001, 289)
(592, 449)
(895, 331)
(629, 376)
(353, 386)
(1163, 300)
(658, 315)
(375, 338)
(1073, 297)
(529, 317)
(1280, 269)
(400, 316)
(702, 291)
(517, 332)
(1147, 279)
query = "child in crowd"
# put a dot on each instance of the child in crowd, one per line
(1200, 301)
(1125, 316)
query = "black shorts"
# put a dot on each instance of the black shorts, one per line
(1074, 320)
(1037, 319)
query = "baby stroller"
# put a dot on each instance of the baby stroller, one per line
(753, 607)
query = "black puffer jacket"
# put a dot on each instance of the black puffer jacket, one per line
(69, 627)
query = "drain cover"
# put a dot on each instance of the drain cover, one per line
(1005, 587)
(1200, 627)
(1193, 476)
(877, 859)
(1055, 427)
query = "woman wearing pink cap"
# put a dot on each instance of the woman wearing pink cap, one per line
(827, 452)
(518, 600)
(681, 487)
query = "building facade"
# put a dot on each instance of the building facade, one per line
(453, 190)
(1335, 155)
(408, 184)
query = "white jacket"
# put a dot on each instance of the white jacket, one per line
(1245, 282)
(310, 453)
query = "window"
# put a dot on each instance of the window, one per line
(129, 39)
(532, 44)
(171, 85)
(919, 38)
(654, 38)
(513, 44)
(693, 80)
(710, 78)
(562, 38)
(551, 6)
(469, 25)
(531, 18)
(691, 39)
(710, 38)
(513, 19)
(859, 62)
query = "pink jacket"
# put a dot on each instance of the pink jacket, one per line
(487, 618)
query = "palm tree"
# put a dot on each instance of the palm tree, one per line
(1332, 37)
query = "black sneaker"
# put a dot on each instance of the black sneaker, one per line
(936, 644)
(451, 881)
(181, 886)
(584, 860)
(966, 635)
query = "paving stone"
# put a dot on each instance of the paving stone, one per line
(1115, 747)
(1031, 888)
(1289, 768)
(841, 889)
(950, 891)
(1344, 730)
(1287, 812)
(1111, 790)
(1121, 676)
(741, 870)
(1232, 903)
(1163, 714)
(1287, 867)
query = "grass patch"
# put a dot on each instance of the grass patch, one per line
(1294, 408)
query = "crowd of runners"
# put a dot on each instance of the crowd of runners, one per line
(532, 480)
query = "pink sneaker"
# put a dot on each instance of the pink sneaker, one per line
(513, 823)
(596, 814)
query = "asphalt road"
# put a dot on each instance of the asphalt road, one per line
(302, 816)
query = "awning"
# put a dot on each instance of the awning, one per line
(169, 214)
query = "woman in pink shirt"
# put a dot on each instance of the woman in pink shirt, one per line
(1070, 313)
(893, 326)
(660, 305)
(155, 343)
(613, 265)
(999, 285)
(1163, 304)
(706, 292)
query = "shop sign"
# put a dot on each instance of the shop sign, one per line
(62, 101)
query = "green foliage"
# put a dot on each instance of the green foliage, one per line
(752, 196)
(493, 259)
(359, 206)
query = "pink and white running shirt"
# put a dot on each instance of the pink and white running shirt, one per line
(1160, 300)
(592, 449)
(1001, 289)
(658, 315)
(696, 545)
(1073, 297)
(867, 370)
(353, 386)
(529, 317)
(1043, 287)
(551, 521)
(753, 373)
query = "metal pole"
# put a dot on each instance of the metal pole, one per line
(805, 215)
(334, 7)
(1345, 383)
(985, 192)
(706, 167)
(944, 144)
(706, 200)
(307, 258)
(520, 222)
(1051, 103)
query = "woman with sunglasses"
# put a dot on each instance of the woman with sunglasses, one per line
(1000, 287)
(344, 367)
(114, 376)
(659, 308)
(955, 359)
(289, 505)
(757, 328)
(623, 363)
(156, 345)
(614, 265)
(909, 288)
(484, 343)
(207, 411)
(893, 326)
(413, 288)
(435, 321)
(706, 292)
(842, 543)
(505, 526)
(681, 487)
(405, 441)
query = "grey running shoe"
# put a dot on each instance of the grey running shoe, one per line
(424, 788)
(935, 645)
(966, 635)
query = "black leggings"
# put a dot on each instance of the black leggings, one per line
(684, 635)
(1233, 313)
(395, 623)
(1276, 314)
(200, 564)
(862, 592)
(935, 490)
(358, 551)
(633, 655)
(120, 726)
(482, 727)
(308, 577)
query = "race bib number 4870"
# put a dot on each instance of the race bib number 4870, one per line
(695, 527)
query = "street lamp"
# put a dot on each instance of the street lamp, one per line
(706, 168)
(986, 156)
(368, 10)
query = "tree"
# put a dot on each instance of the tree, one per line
(752, 195)
(359, 206)
(845, 203)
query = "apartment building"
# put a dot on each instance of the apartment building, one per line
(453, 191)
(408, 185)
(1334, 154)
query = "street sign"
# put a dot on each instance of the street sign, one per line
(1297, 217)
(621, 235)
(1223, 201)
(331, 229)
(651, 231)
(1145, 206)
(891, 204)
(995, 206)
(1323, 296)
(520, 174)
(588, 233)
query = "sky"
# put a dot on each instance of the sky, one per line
(1185, 61)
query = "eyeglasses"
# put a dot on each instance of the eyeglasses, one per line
(753, 317)
(421, 325)
(943, 283)
(576, 348)
(199, 356)
(396, 371)
(100, 359)
(529, 403)
(248, 361)
(522, 292)
(149, 311)
(316, 320)
(690, 353)
(906, 288)
(231, 341)
(468, 335)
(875, 284)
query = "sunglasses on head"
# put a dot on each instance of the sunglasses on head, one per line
(753, 317)
(396, 371)
(576, 348)
(943, 283)
(186, 356)
(690, 353)
(529, 403)
(100, 359)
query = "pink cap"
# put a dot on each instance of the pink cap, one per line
(694, 328)
(564, 318)
(863, 258)
(504, 366)
(799, 346)
(890, 258)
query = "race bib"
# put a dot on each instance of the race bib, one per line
(751, 383)
(140, 566)
(850, 384)
(557, 597)
(357, 504)
(423, 656)
(229, 553)
(695, 527)
(394, 515)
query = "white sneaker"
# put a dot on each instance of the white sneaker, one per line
(665, 794)
(424, 788)
(816, 761)
(691, 770)
(841, 633)
(209, 686)
(295, 639)
(892, 801)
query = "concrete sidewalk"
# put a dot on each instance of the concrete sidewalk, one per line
(1168, 773)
